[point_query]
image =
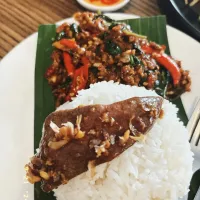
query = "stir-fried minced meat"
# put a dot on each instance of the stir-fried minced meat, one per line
(75, 139)
(99, 48)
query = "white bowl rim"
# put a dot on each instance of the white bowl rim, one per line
(102, 8)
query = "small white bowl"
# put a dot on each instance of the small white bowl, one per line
(103, 8)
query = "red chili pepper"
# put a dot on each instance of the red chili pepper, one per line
(78, 83)
(165, 61)
(109, 2)
(170, 65)
(68, 64)
(85, 62)
(70, 43)
(80, 79)
(147, 49)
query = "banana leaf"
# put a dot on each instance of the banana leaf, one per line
(153, 27)
(44, 100)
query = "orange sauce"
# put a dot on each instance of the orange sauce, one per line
(101, 2)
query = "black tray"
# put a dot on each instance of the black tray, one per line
(182, 16)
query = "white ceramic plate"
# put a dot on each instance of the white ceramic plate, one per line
(103, 8)
(17, 106)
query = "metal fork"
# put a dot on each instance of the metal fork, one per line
(194, 138)
(194, 129)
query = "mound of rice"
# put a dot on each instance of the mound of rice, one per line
(159, 168)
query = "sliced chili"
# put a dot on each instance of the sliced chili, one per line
(78, 83)
(68, 64)
(85, 62)
(170, 65)
(166, 61)
(147, 49)
(70, 43)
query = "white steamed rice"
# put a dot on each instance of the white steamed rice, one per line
(158, 169)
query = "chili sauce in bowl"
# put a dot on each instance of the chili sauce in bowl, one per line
(103, 5)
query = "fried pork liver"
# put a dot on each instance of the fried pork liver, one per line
(81, 138)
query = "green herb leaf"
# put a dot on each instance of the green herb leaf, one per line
(162, 82)
(138, 51)
(112, 48)
(134, 60)
(75, 29)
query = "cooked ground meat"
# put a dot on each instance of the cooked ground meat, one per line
(102, 49)
(76, 140)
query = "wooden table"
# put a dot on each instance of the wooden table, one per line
(20, 18)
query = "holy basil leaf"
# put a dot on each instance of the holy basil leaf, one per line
(134, 60)
(75, 29)
(112, 48)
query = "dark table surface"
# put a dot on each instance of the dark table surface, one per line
(177, 17)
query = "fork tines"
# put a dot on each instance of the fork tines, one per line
(193, 125)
